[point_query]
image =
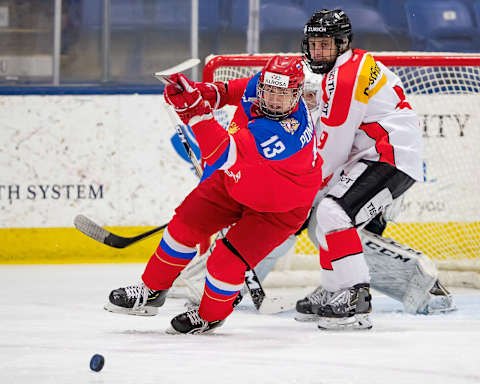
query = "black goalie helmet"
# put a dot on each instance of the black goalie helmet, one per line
(332, 24)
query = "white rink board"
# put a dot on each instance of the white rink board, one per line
(109, 157)
(451, 131)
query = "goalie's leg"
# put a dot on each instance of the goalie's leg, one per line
(405, 274)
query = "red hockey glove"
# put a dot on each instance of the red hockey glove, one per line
(182, 93)
(186, 99)
(213, 93)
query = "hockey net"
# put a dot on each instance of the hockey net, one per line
(441, 216)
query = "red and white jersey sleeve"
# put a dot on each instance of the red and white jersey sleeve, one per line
(363, 114)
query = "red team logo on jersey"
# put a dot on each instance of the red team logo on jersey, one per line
(290, 125)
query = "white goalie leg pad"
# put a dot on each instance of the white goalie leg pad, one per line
(398, 271)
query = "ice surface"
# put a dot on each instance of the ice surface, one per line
(52, 322)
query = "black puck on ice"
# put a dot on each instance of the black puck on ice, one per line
(97, 362)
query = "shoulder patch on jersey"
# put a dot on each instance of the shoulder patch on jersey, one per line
(233, 128)
(290, 125)
(370, 80)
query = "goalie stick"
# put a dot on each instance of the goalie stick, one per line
(183, 139)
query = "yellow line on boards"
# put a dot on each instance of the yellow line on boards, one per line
(69, 246)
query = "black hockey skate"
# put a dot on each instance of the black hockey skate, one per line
(136, 300)
(346, 309)
(191, 322)
(319, 296)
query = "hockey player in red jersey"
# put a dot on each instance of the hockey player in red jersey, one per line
(268, 173)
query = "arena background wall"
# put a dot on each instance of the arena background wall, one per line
(109, 157)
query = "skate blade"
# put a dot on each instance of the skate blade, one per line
(361, 321)
(172, 331)
(306, 317)
(144, 311)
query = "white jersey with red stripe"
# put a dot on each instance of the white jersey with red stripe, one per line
(363, 114)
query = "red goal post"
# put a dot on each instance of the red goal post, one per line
(214, 63)
(441, 216)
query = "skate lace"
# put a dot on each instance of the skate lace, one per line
(318, 296)
(194, 317)
(138, 292)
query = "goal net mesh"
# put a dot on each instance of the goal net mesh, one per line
(441, 216)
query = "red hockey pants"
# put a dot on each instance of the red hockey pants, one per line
(206, 210)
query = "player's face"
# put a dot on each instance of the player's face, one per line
(322, 48)
(278, 100)
(310, 98)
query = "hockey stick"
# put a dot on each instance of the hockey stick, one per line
(96, 232)
(187, 64)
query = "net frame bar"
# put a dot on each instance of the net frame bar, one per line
(389, 60)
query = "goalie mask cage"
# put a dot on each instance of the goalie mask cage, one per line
(441, 216)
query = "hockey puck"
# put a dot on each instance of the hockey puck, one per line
(97, 362)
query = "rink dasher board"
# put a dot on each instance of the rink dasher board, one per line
(110, 157)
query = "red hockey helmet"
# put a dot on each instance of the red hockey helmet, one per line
(280, 86)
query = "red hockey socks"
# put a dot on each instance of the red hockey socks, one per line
(166, 263)
(225, 278)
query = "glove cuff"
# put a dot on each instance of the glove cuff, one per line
(197, 119)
